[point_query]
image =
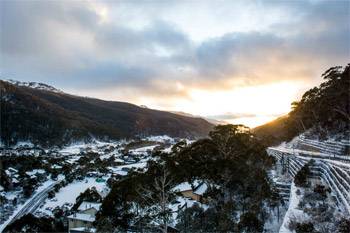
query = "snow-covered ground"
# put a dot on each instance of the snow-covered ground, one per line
(69, 193)
(293, 210)
(70, 155)
(94, 145)
(38, 190)
(142, 150)
(162, 139)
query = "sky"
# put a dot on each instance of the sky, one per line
(235, 61)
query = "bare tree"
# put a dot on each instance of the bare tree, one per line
(157, 197)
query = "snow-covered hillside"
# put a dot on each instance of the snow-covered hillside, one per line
(34, 85)
(329, 166)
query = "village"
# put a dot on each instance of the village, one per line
(50, 184)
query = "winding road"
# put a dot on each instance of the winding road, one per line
(30, 206)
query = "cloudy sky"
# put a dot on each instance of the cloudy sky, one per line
(239, 61)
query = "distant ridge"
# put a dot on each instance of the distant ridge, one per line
(44, 115)
(212, 121)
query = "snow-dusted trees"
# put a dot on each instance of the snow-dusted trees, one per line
(157, 197)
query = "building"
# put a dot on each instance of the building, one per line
(82, 220)
(195, 193)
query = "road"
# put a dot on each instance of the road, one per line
(31, 205)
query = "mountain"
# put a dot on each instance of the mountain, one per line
(47, 116)
(323, 111)
(35, 85)
(210, 120)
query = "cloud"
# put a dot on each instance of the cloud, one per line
(148, 49)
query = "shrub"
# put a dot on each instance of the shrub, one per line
(300, 178)
(304, 227)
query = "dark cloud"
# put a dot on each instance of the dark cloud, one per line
(68, 43)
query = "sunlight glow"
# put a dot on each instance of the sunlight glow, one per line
(263, 102)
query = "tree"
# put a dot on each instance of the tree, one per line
(300, 178)
(27, 189)
(304, 228)
(344, 226)
(158, 197)
(90, 195)
(250, 223)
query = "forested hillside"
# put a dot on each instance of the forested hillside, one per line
(323, 110)
(54, 118)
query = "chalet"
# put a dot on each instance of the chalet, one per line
(195, 193)
(82, 220)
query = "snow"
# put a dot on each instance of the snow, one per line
(87, 205)
(19, 207)
(73, 148)
(119, 161)
(69, 193)
(134, 165)
(83, 229)
(200, 190)
(12, 170)
(293, 210)
(34, 85)
(142, 150)
(160, 138)
(83, 217)
(23, 144)
(35, 171)
(55, 166)
(118, 170)
(185, 186)
(11, 195)
(168, 149)
(76, 147)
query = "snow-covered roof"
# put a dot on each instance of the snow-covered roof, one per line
(83, 229)
(1, 188)
(11, 169)
(160, 138)
(35, 171)
(200, 190)
(14, 180)
(55, 166)
(185, 186)
(87, 205)
(82, 217)
(119, 160)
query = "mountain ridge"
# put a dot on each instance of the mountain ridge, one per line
(54, 117)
